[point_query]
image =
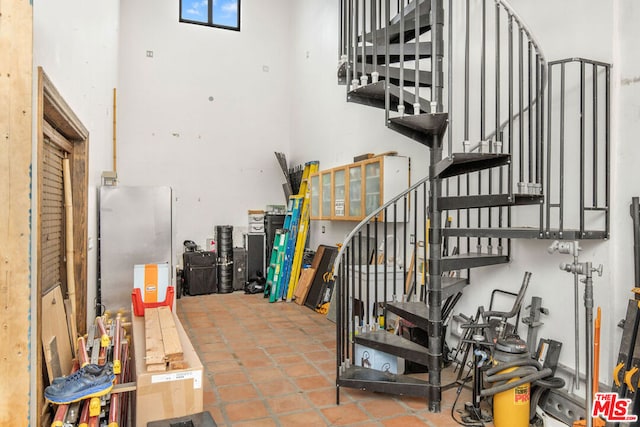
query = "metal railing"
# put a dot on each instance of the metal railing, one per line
(579, 138)
(495, 101)
(383, 259)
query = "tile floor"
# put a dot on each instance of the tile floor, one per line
(274, 365)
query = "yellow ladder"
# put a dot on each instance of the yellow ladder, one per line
(303, 226)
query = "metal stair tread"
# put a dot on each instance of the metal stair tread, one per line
(408, 51)
(418, 312)
(452, 285)
(373, 95)
(384, 382)
(393, 344)
(461, 163)
(393, 74)
(472, 260)
(415, 312)
(487, 200)
(421, 127)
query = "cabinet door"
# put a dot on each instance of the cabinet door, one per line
(315, 197)
(325, 207)
(339, 193)
(354, 193)
(372, 189)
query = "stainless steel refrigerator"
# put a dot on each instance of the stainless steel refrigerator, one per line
(135, 227)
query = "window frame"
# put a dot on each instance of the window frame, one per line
(210, 22)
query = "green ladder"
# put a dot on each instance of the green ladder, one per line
(275, 263)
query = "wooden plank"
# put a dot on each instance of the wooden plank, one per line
(56, 327)
(80, 180)
(16, 82)
(386, 153)
(178, 364)
(306, 279)
(172, 347)
(123, 388)
(69, 250)
(57, 138)
(156, 367)
(72, 331)
(362, 157)
(154, 348)
(52, 359)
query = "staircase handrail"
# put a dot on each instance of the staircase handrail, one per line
(368, 218)
(511, 11)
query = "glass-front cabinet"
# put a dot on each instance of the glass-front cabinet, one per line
(339, 193)
(354, 197)
(326, 193)
(353, 191)
(372, 187)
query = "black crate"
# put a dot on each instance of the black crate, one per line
(200, 273)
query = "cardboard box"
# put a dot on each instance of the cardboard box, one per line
(378, 360)
(169, 394)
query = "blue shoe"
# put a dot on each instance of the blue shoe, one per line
(89, 381)
(93, 369)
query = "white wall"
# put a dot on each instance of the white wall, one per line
(218, 156)
(76, 42)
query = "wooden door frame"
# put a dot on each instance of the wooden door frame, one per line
(55, 116)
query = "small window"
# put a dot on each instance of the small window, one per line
(214, 13)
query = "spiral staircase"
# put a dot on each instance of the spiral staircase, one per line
(518, 149)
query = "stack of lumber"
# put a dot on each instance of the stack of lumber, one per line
(162, 343)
